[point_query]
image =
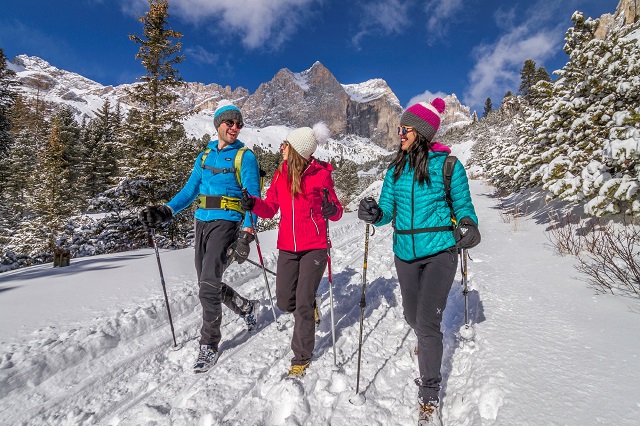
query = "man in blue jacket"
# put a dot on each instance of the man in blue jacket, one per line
(223, 231)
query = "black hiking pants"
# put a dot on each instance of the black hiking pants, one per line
(425, 285)
(297, 280)
(212, 241)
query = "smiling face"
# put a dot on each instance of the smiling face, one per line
(228, 132)
(407, 136)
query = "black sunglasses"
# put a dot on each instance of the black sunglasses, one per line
(230, 123)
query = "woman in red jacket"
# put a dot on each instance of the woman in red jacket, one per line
(297, 190)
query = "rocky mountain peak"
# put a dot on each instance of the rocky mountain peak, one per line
(294, 99)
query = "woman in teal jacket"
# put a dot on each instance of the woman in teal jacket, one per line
(425, 242)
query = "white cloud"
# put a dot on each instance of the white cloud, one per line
(427, 96)
(498, 65)
(202, 55)
(257, 23)
(439, 11)
(385, 16)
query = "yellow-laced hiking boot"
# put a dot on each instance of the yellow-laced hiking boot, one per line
(428, 415)
(298, 370)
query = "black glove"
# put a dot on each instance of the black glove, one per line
(328, 208)
(248, 202)
(153, 216)
(239, 250)
(369, 211)
(466, 233)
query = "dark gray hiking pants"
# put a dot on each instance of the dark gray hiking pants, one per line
(297, 280)
(425, 285)
(212, 241)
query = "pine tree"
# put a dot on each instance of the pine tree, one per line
(101, 155)
(527, 78)
(7, 100)
(345, 176)
(53, 204)
(542, 75)
(488, 107)
(155, 124)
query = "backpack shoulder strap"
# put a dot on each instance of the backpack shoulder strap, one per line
(204, 157)
(237, 164)
(447, 173)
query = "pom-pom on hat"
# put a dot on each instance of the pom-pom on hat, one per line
(424, 117)
(305, 140)
(227, 112)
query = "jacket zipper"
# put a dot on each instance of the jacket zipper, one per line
(413, 236)
(293, 227)
(314, 221)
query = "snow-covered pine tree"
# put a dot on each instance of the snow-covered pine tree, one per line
(8, 96)
(100, 163)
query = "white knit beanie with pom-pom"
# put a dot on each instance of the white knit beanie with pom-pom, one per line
(305, 140)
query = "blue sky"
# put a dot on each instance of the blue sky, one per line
(472, 48)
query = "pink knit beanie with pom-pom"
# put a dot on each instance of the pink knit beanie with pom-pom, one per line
(424, 117)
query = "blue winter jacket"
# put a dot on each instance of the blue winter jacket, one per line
(205, 182)
(424, 206)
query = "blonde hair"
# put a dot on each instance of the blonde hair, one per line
(296, 166)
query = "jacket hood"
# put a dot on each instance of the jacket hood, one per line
(438, 147)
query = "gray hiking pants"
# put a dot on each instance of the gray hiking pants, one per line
(425, 285)
(297, 280)
(212, 241)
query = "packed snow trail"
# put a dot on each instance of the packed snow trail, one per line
(546, 350)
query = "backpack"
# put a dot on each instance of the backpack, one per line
(237, 164)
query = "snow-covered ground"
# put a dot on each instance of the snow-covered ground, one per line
(91, 343)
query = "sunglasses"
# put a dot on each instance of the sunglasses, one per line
(284, 144)
(403, 130)
(230, 123)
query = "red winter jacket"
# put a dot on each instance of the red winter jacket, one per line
(302, 226)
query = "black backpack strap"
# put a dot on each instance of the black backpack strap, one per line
(447, 173)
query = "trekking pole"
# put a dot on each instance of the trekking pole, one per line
(333, 328)
(164, 287)
(467, 332)
(258, 265)
(465, 287)
(359, 399)
(264, 270)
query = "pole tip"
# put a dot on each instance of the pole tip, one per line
(467, 332)
(357, 399)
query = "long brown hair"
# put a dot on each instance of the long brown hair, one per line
(418, 158)
(296, 164)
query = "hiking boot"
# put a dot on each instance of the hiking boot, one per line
(298, 370)
(251, 317)
(428, 415)
(207, 357)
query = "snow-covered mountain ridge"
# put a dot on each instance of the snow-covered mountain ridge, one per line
(369, 109)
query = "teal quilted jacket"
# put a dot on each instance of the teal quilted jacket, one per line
(418, 206)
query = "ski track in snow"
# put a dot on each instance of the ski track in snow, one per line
(122, 369)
